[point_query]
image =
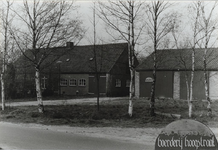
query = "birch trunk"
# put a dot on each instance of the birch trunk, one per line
(190, 109)
(3, 72)
(152, 102)
(131, 58)
(3, 90)
(3, 65)
(187, 85)
(132, 85)
(209, 25)
(121, 16)
(209, 110)
(5, 25)
(158, 29)
(38, 91)
(195, 42)
(191, 84)
(132, 92)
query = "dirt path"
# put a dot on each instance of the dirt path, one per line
(63, 102)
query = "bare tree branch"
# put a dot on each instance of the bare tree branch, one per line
(46, 24)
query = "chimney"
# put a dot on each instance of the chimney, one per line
(70, 44)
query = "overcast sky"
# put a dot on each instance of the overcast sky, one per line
(86, 15)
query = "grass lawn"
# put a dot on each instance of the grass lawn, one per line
(113, 113)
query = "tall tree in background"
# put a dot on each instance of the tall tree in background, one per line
(209, 26)
(125, 18)
(159, 25)
(45, 24)
(6, 44)
(97, 68)
(195, 11)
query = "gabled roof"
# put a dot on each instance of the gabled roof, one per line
(80, 59)
(24, 65)
(180, 59)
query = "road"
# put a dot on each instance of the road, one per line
(15, 136)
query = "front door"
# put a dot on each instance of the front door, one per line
(93, 85)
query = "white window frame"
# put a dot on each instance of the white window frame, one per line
(43, 83)
(73, 82)
(118, 83)
(63, 82)
(82, 82)
(128, 83)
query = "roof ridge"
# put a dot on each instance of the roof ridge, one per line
(215, 48)
(102, 44)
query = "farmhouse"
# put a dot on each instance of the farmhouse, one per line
(173, 66)
(73, 73)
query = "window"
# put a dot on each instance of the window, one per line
(72, 82)
(118, 83)
(128, 83)
(82, 82)
(63, 82)
(43, 83)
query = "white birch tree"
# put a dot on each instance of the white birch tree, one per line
(209, 24)
(45, 24)
(195, 28)
(7, 44)
(125, 18)
(159, 24)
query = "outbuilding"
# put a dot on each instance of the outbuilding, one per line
(174, 69)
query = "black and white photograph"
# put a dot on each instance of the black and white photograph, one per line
(108, 75)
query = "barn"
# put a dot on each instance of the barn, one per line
(174, 69)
